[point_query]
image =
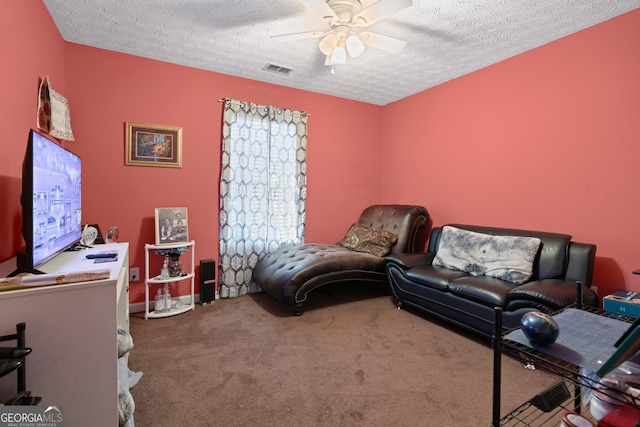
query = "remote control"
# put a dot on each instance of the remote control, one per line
(104, 255)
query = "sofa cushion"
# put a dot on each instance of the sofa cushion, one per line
(376, 241)
(489, 291)
(508, 258)
(434, 277)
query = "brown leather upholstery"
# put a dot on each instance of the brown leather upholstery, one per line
(290, 273)
(401, 220)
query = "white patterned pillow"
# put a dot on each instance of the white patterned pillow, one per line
(508, 258)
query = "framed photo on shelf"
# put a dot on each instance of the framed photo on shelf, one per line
(171, 226)
(153, 145)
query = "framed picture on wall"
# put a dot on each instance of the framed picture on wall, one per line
(171, 226)
(153, 145)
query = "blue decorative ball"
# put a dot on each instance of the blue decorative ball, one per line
(539, 328)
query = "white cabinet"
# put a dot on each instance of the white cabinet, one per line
(155, 279)
(72, 330)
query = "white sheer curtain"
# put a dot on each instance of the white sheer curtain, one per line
(263, 188)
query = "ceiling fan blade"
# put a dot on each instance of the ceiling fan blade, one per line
(380, 10)
(386, 43)
(321, 8)
(299, 36)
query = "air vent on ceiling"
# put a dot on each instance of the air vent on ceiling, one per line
(278, 69)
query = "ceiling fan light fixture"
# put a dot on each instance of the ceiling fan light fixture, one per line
(339, 55)
(340, 40)
(354, 45)
(327, 43)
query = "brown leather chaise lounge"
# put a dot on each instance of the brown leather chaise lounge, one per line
(290, 273)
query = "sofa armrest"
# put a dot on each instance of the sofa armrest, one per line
(555, 293)
(581, 260)
(410, 260)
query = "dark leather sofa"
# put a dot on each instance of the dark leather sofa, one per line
(469, 301)
(290, 273)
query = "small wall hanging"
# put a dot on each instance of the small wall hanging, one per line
(53, 115)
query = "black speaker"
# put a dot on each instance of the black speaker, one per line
(207, 281)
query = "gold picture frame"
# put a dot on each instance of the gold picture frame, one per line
(153, 145)
(171, 226)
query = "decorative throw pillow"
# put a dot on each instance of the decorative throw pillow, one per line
(459, 250)
(125, 342)
(508, 258)
(376, 242)
(126, 405)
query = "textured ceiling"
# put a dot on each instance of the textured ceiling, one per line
(446, 38)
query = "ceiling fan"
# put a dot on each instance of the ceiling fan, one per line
(342, 16)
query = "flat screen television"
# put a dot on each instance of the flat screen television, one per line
(51, 202)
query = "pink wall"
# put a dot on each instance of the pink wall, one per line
(108, 89)
(39, 53)
(547, 140)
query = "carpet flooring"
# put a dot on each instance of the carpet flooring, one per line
(351, 359)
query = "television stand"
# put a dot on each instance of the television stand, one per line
(77, 247)
(21, 260)
(17, 271)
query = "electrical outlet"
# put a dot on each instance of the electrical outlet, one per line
(134, 274)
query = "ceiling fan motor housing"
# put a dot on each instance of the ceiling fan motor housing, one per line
(345, 10)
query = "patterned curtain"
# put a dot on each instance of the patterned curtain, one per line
(263, 187)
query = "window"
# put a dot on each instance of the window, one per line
(262, 188)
